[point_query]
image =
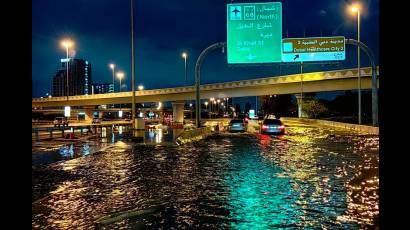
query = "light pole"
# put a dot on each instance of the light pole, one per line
(112, 67)
(132, 66)
(206, 106)
(120, 76)
(214, 108)
(67, 44)
(356, 9)
(185, 56)
(301, 90)
(212, 101)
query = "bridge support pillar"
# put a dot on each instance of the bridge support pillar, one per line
(178, 111)
(301, 100)
(89, 114)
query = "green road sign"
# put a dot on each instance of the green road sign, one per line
(313, 49)
(254, 32)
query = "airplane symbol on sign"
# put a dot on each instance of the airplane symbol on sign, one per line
(236, 11)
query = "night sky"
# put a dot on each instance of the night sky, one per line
(164, 29)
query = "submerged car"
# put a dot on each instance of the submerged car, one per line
(273, 126)
(237, 125)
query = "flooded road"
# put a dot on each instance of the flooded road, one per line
(312, 177)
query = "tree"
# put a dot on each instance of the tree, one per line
(314, 108)
(279, 105)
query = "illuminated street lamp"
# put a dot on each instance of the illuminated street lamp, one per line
(185, 56)
(355, 8)
(206, 105)
(140, 87)
(112, 67)
(190, 108)
(67, 44)
(120, 76)
(212, 100)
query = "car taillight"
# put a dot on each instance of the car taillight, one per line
(264, 126)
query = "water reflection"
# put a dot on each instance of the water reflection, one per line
(157, 136)
(309, 178)
(67, 151)
(86, 149)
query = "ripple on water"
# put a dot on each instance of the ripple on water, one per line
(310, 177)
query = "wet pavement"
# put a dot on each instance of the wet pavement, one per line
(312, 177)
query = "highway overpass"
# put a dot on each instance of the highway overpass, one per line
(345, 79)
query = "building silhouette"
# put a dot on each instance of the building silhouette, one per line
(79, 78)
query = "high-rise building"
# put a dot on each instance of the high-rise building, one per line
(79, 78)
(102, 88)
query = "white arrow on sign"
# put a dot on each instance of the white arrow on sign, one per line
(250, 57)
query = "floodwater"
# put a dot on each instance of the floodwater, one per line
(310, 178)
(54, 151)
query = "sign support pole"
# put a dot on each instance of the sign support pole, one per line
(375, 105)
(198, 78)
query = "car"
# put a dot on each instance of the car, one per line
(244, 117)
(273, 126)
(96, 121)
(237, 125)
(60, 121)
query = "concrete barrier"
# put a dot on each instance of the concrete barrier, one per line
(335, 124)
(193, 134)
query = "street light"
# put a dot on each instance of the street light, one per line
(67, 43)
(112, 67)
(140, 87)
(132, 67)
(120, 76)
(212, 100)
(355, 8)
(185, 56)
